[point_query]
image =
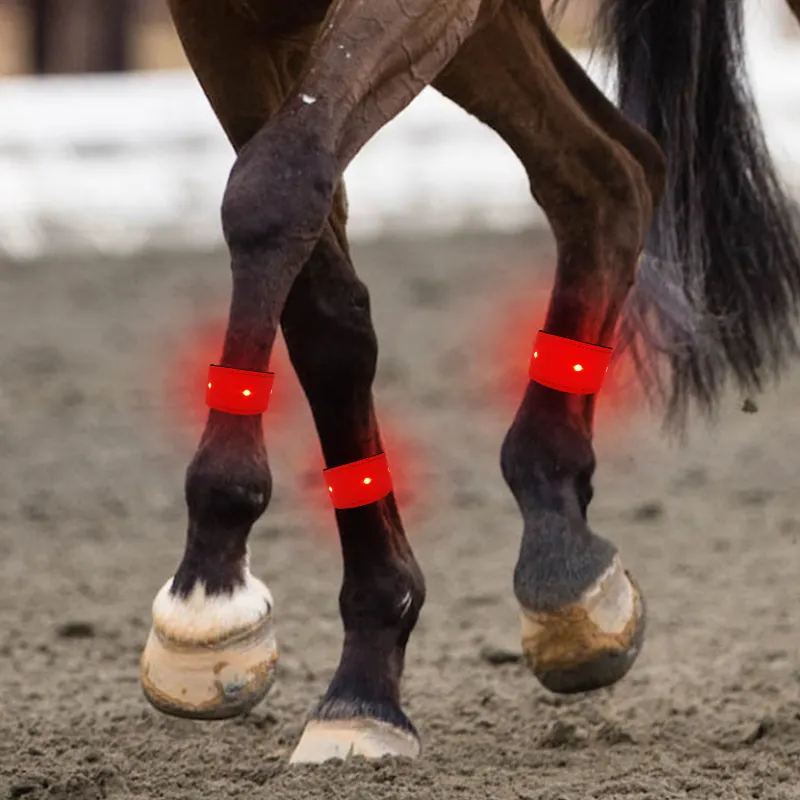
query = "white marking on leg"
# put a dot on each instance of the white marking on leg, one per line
(405, 604)
(610, 602)
(203, 618)
(325, 740)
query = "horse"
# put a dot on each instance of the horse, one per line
(675, 243)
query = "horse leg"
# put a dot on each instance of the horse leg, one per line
(359, 74)
(331, 341)
(582, 615)
(332, 344)
(637, 141)
(211, 652)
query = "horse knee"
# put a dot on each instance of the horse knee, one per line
(279, 191)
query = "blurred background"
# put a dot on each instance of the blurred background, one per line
(95, 95)
(74, 36)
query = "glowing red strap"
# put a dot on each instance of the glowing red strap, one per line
(360, 482)
(568, 365)
(238, 391)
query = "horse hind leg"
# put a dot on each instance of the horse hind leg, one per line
(637, 141)
(583, 617)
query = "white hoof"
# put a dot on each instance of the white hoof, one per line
(323, 740)
(210, 657)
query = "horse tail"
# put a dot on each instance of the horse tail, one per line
(718, 288)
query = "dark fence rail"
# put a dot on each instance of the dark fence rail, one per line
(82, 36)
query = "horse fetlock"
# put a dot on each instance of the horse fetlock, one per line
(390, 604)
(228, 499)
(543, 454)
(210, 655)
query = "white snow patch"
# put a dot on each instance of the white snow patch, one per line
(120, 164)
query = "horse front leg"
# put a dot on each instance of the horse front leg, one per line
(583, 617)
(364, 68)
(212, 652)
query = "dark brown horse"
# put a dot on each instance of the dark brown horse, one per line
(676, 195)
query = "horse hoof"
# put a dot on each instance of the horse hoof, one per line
(591, 643)
(323, 740)
(210, 657)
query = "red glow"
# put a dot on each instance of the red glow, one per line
(238, 391)
(410, 475)
(360, 482)
(510, 314)
(184, 360)
(568, 365)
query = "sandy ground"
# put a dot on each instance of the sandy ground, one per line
(92, 523)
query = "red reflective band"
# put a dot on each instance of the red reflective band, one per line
(360, 483)
(238, 391)
(567, 365)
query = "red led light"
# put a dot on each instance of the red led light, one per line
(359, 483)
(238, 391)
(568, 365)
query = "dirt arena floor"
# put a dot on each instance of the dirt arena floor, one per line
(101, 391)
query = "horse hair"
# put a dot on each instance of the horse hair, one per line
(717, 292)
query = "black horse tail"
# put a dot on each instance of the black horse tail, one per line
(717, 292)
